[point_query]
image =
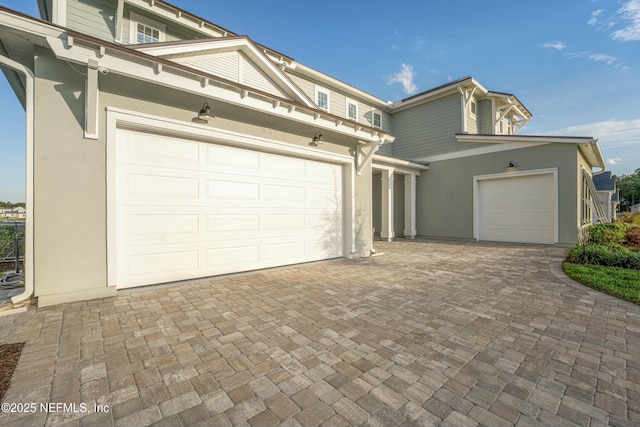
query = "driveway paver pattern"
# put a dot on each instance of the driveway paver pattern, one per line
(430, 333)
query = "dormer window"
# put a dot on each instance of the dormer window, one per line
(473, 107)
(322, 98)
(352, 109)
(376, 119)
(146, 30)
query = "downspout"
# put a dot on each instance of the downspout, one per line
(28, 229)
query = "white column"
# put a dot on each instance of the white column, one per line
(387, 232)
(410, 206)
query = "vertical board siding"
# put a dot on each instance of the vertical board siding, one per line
(93, 17)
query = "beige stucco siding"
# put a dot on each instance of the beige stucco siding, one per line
(70, 247)
(445, 204)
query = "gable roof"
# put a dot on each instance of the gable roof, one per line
(235, 58)
(604, 182)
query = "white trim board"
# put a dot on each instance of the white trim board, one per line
(506, 175)
(479, 151)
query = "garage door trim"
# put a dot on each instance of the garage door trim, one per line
(506, 175)
(129, 120)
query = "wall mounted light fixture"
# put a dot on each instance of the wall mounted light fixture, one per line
(317, 139)
(511, 167)
(204, 115)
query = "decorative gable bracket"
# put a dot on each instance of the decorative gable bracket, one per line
(363, 155)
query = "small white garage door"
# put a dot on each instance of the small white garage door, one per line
(517, 209)
(187, 209)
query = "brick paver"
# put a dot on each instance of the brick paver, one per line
(430, 333)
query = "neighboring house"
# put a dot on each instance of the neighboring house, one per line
(17, 213)
(295, 166)
(608, 194)
(635, 209)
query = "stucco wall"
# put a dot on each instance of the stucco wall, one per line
(445, 191)
(71, 202)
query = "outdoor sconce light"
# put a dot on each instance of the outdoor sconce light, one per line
(204, 114)
(511, 167)
(317, 139)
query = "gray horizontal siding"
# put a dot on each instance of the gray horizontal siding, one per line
(338, 103)
(93, 17)
(484, 117)
(428, 129)
(174, 31)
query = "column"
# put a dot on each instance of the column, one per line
(410, 206)
(387, 233)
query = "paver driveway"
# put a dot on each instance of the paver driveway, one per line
(430, 333)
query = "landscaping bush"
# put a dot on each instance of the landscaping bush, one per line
(629, 218)
(607, 255)
(632, 237)
(607, 233)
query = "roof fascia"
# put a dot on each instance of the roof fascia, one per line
(439, 92)
(499, 139)
(588, 146)
(80, 48)
(343, 87)
(400, 164)
(243, 43)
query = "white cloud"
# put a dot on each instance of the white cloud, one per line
(603, 58)
(405, 77)
(611, 133)
(555, 45)
(594, 17)
(614, 160)
(630, 14)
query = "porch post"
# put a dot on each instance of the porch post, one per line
(410, 206)
(387, 233)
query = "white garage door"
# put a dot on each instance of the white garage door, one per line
(517, 209)
(187, 209)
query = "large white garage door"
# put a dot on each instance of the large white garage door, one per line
(187, 209)
(517, 209)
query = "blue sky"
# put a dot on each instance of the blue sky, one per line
(575, 64)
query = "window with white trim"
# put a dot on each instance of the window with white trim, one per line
(473, 107)
(322, 98)
(376, 119)
(352, 109)
(145, 30)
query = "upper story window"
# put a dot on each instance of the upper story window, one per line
(473, 107)
(352, 109)
(376, 119)
(146, 30)
(322, 98)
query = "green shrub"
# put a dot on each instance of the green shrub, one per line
(607, 255)
(607, 233)
(629, 218)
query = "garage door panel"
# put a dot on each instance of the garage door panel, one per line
(140, 148)
(233, 223)
(233, 190)
(517, 209)
(155, 263)
(232, 158)
(233, 210)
